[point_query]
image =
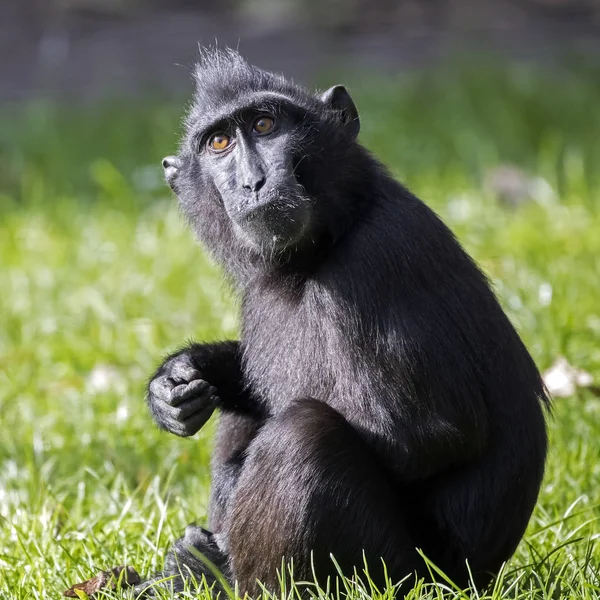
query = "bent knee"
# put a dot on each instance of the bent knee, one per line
(303, 428)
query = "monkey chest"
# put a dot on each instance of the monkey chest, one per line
(289, 352)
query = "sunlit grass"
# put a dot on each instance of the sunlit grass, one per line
(99, 277)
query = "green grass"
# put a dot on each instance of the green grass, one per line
(99, 278)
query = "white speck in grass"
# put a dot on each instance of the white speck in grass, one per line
(11, 471)
(459, 208)
(545, 294)
(122, 413)
(515, 302)
(558, 379)
(562, 379)
(144, 330)
(48, 325)
(38, 444)
(102, 378)
(593, 323)
(44, 518)
(542, 192)
(44, 277)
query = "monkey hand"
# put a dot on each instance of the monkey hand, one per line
(180, 401)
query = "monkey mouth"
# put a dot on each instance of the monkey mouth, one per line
(274, 226)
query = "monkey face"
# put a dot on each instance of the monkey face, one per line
(251, 165)
(257, 149)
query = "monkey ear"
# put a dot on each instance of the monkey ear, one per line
(338, 98)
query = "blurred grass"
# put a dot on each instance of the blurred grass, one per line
(99, 277)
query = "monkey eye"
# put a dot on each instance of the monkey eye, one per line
(219, 142)
(263, 125)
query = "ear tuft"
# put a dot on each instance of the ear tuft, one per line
(338, 98)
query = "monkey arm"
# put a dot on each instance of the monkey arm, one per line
(192, 382)
(418, 443)
(439, 445)
(220, 364)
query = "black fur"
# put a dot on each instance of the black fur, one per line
(379, 399)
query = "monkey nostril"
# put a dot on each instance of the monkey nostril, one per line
(255, 186)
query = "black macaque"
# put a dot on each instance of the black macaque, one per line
(378, 399)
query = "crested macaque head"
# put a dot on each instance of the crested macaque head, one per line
(260, 156)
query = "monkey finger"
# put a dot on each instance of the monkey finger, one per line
(190, 407)
(183, 373)
(160, 388)
(176, 427)
(194, 423)
(187, 390)
(173, 421)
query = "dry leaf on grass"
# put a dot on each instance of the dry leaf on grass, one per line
(105, 580)
(562, 378)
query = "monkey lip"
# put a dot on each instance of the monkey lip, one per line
(273, 225)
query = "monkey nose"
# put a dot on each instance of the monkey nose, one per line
(171, 165)
(171, 162)
(254, 184)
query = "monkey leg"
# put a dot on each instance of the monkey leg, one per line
(234, 433)
(187, 558)
(311, 485)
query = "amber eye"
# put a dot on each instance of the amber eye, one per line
(219, 142)
(263, 124)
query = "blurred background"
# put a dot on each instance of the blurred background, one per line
(489, 110)
(102, 47)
